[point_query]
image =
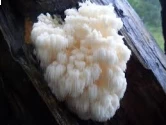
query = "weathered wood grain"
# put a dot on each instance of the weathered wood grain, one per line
(144, 102)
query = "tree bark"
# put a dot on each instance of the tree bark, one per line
(25, 94)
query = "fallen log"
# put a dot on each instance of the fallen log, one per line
(32, 101)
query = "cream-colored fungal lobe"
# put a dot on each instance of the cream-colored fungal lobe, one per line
(84, 59)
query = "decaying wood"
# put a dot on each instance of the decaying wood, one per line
(142, 43)
(26, 93)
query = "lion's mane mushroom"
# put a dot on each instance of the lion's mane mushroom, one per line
(84, 59)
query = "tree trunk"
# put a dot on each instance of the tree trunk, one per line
(25, 97)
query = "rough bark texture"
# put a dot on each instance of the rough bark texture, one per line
(25, 97)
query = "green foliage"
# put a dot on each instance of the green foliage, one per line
(157, 34)
(149, 11)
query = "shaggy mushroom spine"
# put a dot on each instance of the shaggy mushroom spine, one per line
(84, 59)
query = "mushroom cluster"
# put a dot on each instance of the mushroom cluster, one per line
(84, 59)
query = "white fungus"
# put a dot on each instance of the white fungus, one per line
(84, 59)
